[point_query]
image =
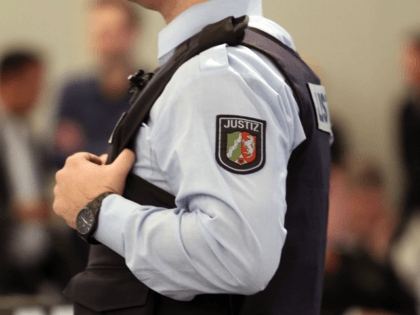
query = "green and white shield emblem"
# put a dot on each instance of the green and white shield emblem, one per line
(240, 144)
(241, 147)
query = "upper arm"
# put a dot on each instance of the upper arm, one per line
(216, 83)
(241, 213)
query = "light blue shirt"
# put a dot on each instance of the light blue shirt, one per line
(227, 232)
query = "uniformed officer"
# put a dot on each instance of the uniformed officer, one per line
(219, 138)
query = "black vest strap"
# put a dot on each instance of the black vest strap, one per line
(229, 31)
(250, 37)
(137, 183)
(211, 36)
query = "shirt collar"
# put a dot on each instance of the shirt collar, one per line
(194, 19)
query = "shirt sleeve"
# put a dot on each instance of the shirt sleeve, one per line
(227, 231)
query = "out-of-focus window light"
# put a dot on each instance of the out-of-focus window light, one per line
(29, 311)
(62, 310)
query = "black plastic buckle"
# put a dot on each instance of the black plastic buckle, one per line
(138, 81)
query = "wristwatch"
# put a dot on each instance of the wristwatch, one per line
(87, 219)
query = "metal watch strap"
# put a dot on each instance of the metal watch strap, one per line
(96, 203)
(95, 206)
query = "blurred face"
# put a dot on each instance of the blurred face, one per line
(150, 4)
(366, 206)
(111, 32)
(25, 88)
(169, 9)
(411, 64)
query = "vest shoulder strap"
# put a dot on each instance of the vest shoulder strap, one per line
(282, 56)
(231, 31)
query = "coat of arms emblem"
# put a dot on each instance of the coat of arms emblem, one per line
(240, 146)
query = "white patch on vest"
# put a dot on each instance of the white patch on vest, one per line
(321, 107)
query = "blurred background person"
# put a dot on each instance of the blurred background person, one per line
(410, 123)
(359, 278)
(90, 105)
(26, 246)
(406, 251)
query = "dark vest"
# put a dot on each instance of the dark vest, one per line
(107, 283)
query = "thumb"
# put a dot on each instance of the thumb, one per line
(103, 158)
(123, 163)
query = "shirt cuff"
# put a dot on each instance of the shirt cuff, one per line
(112, 216)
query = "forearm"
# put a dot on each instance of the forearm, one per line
(181, 253)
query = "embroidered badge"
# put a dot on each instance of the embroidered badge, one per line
(319, 99)
(240, 143)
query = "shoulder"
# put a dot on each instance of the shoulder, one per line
(238, 66)
(234, 79)
(78, 84)
(223, 59)
(75, 92)
(210, 63)
(227, 80)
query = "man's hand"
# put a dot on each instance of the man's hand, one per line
(84, 177)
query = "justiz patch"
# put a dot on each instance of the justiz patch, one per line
(240, 143)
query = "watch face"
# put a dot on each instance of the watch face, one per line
(84, 221)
